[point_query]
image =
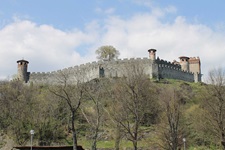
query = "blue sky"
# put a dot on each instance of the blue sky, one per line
(67, 14)
(53, 34)
(71, 14)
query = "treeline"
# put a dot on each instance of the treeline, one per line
(161, 114)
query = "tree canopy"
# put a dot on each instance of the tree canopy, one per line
(107, 52)
(130, 111)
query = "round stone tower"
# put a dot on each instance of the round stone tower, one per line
(184, 62)
(152, 54)
(22, 73)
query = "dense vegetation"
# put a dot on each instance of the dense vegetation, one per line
(133, 111)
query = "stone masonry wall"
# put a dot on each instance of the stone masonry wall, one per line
(173, 71)
(89, 71)
(86, 72)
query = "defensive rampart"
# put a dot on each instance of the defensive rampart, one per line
(83, 72)
(89, 71)
(153, 68)
(173, 71)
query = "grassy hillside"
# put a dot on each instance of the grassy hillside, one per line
(122, 112)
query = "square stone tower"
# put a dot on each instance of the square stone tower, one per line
(195, 65)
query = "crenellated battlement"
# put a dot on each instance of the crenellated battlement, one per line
(194, 60)
(154, 68)
(167, 63)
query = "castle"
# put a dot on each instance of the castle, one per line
(188, 69)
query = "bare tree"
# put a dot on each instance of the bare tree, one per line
(134, 96)
(107, 53)
(47, 117)
(93, 109)
(170, 129)
(214, 104)
(70, 91)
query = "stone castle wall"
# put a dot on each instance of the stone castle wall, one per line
(153, 68)
(86, 72)
(119, 67)
(173, 71)
(89, 71)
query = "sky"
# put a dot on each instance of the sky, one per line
(56, 34)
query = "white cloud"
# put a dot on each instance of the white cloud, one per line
(220, 26)
(158, 11)
(45, 47)
(143, 31)
(49, 49)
